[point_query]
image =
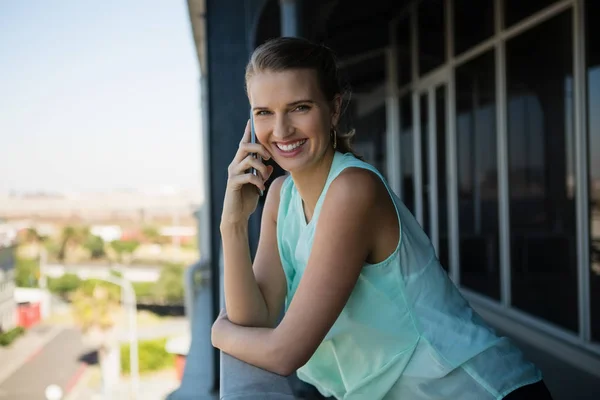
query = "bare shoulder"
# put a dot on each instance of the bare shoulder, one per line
(359, 197)
(358, 187)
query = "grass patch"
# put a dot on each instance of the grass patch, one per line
(8, 337)
(152, 356)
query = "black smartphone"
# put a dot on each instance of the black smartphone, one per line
(253, 140)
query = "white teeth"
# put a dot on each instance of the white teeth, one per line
(292, 146)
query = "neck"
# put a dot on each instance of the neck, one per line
(310, 182)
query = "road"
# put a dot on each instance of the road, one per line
(56, 363)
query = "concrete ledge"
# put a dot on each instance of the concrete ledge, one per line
(522, 328)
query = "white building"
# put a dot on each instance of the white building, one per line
(108, 233)
(7, 287)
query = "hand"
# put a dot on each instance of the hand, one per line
(241, 194)
(217, 330)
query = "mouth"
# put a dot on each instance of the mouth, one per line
(290, 147)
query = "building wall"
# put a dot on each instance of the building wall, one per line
(7, 287)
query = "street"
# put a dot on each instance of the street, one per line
(56, 363)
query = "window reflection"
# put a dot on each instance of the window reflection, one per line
(407, 153)
(593, 78)
(431, 36)
(516, 10)
(442, 191)
(370, 140)
(404, 53)
(541, 172)
(473, 23)
(478, 176)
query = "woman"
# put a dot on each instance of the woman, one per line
(370, 313)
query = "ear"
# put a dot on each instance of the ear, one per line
(336, 109)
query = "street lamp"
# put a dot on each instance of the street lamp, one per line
(129, 302)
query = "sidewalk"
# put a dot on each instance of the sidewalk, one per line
(155, 386)
(25, 347)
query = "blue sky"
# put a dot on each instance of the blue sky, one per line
(98, 95)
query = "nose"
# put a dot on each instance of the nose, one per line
(283, 127)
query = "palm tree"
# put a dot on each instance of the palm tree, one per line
(71, 237)
(95, 306)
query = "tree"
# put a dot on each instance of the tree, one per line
(95, 245)
(71, 236)
(95, 306)
(169, 287)
(122, 247)
(65, 284)
(33, 236)
(27, 272)
(152, 234)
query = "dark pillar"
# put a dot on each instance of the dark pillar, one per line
(227, 29)
(292, 18)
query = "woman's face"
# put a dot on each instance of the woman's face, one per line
(292, 118)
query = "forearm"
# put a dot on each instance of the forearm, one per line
(243, 298)
(260, 347)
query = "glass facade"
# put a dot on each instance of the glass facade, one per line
(516, 10)
(473, 23)
(442, 188)
(513, 208)
(541, 169)
(407, 158)
(431, 35)
(477, 171)
(404, 50)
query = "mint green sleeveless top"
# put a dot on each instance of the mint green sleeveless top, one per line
(406, 332)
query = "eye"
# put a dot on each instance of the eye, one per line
(262, 112)
(302, 107)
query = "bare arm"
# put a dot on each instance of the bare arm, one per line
(338, 254)
(254, 295)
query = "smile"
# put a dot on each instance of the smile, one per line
(290, 146)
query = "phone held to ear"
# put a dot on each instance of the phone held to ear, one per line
(253, 140)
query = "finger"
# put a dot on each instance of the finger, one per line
(251, 148)
(240, 180)
(251, 162)
(246, 136)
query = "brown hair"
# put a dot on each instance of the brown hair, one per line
(285, 53)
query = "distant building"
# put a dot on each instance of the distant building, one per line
(181, 234)
(8, 234)
(7, 287)
(108, 233)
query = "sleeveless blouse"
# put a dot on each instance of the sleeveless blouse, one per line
(406, 331)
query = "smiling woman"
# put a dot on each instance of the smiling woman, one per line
(369, 310)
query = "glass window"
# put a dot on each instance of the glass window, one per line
(432, 34)
(407, 153)
(473, 23)
(370, 139)
(516, 10)
(404, 53)
(593, 79)
(541, 172)
(442, 209)
(478, 175)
